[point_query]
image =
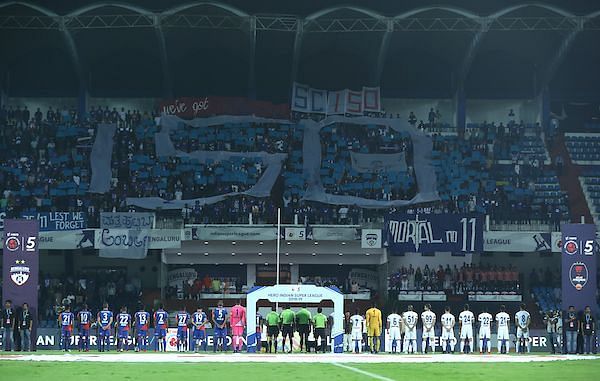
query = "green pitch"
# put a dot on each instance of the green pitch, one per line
(18, 370)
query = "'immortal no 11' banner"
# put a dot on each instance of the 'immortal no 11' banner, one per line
(316, 101)
(20, 270)
(579, 266)
(428, 233)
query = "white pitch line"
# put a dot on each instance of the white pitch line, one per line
(363, 372)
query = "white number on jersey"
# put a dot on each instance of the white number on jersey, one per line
(142, 319)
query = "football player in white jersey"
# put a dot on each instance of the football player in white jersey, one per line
(522, 320)
(466, 319)
(485, 331)
(448, 339)
(428, 337)
(394, 324)
(358, 323)
(410, 319)
(503, 321)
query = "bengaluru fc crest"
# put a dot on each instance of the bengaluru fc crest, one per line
(578, 275)
(19, 274)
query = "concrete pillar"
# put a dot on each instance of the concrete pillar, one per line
(294, 273)
(250, 275)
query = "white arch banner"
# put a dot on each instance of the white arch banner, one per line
(291, 293)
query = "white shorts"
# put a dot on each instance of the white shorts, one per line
(466, 332)
(410, 334)
(448, 334)
(503, 334)
(395, 333)
(485, 333)
(428, 333)
(356, 335)
(522, 333)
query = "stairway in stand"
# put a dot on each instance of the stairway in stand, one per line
(569, 182)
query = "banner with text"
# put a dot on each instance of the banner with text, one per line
(428, 233)
(20, 264)
(335, 233)
(527, 242)
(317, 101)
(124, 239)
(295, 234)
(241, 233)
(198, 107)
(124, 235)
(58, 221)
(365, 278)
(579, 266)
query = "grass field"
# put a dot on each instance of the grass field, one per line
(256, 370)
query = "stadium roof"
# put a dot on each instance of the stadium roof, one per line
(411, 48)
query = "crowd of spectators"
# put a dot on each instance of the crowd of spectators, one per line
(339, 175)
(501, 170)
(193, 288)
(455, 280)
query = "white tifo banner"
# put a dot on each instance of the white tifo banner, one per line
(370, 239)
(295, 234)
(317, 101)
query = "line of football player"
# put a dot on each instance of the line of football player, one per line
(359, 331)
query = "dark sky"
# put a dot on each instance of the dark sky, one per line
(127, 62)
(304, 7)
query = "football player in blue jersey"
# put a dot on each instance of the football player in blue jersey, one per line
(183, 319)
(123, 324)
(219, 319)
(105, 321)
(142, 323)
(161, 322)
(199, 321)
(66, 320)
(85, 320)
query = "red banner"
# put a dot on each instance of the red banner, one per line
(196, 107)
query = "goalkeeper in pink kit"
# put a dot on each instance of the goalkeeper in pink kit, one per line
(238, 323)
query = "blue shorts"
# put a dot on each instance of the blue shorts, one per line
(160, 332)
(199, 334)
(84, 332)
(220, 332)
(182, 333)
(104, 332)
(123, 334)
(66, 332)
(142, 333)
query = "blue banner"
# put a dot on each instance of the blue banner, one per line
(428, 233)
(58, 221)
(579, 266)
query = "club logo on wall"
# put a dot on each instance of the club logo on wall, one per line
(578, 275)
(19, 274)
(12, 242)
(571, 247)
(372, 239)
